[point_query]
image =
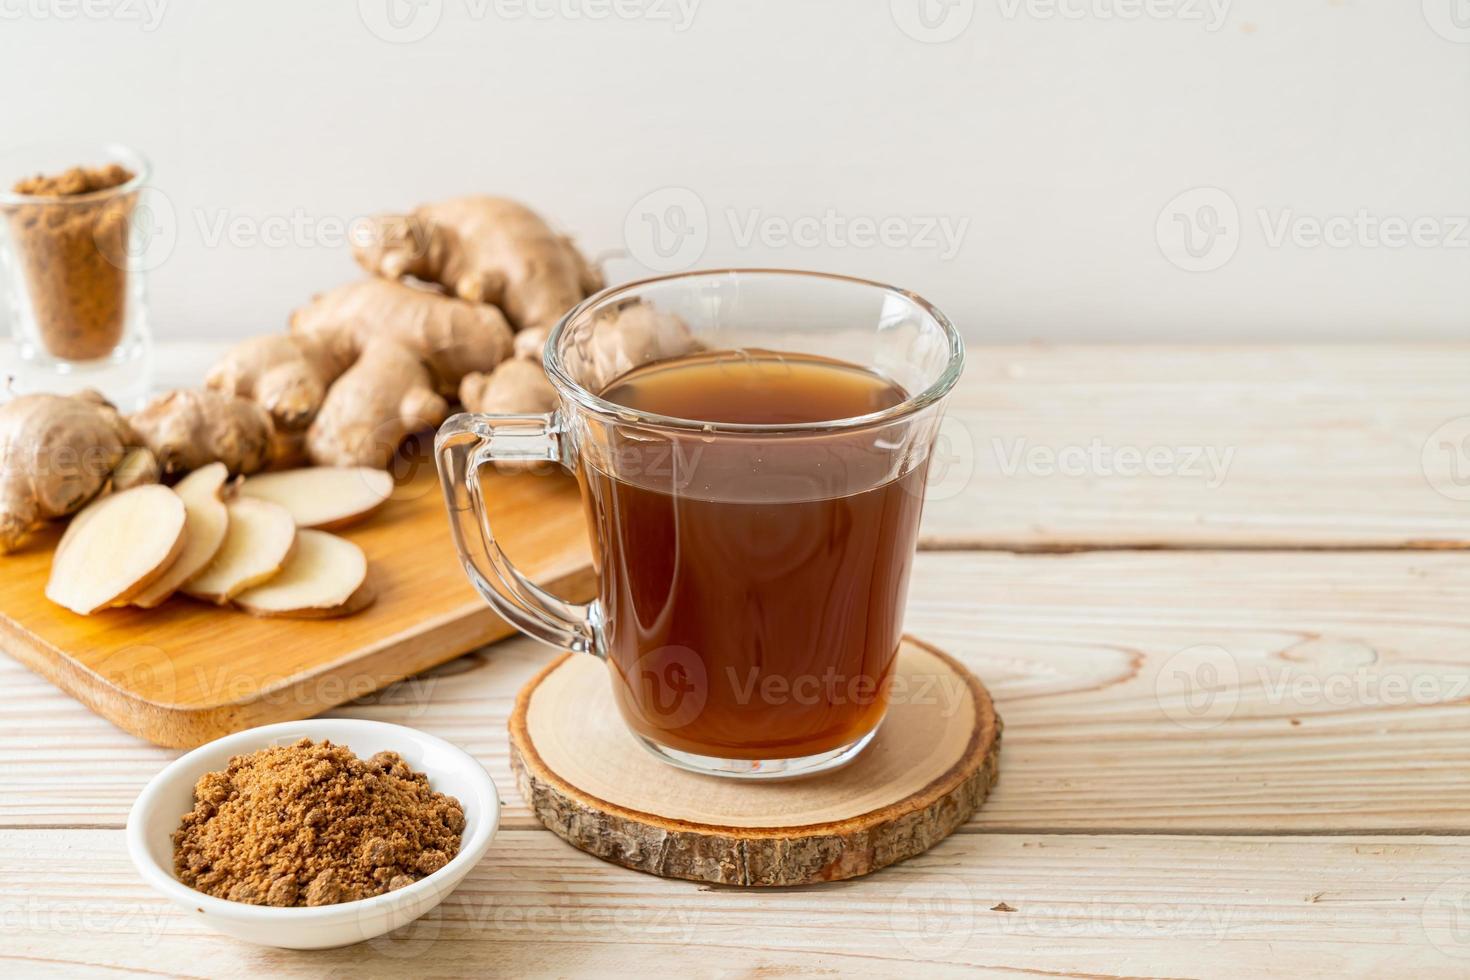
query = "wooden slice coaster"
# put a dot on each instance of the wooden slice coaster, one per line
(931, 764)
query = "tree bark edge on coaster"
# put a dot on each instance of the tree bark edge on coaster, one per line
(838, 847)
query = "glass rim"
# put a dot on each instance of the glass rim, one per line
(914, 403)
(115, 152)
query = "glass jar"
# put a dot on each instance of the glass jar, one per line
(74, 228)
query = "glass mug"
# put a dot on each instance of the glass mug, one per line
(751, 576)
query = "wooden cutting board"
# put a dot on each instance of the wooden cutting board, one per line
(187, 672)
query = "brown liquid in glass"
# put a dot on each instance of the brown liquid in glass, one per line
(753, 586)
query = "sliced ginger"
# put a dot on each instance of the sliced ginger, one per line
(116, 547)
(325, 497)
(207, 521)
(326, 576)
(258, 543)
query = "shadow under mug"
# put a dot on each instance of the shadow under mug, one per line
(751, 578)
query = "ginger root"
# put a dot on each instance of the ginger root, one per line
(498, 258)
(615, 342)
(287, 376)
(516, 387)
(618, 340)
(190, 428)
(530, 343)
(383, 398)
(137, 468)
(484, 250)
(56, 453)
(451, 336)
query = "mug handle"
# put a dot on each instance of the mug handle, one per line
(465, 444)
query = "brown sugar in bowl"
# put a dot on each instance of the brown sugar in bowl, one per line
(450, 770)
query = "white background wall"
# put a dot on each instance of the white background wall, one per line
(1049, 136)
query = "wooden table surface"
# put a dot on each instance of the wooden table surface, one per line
(1222, 599)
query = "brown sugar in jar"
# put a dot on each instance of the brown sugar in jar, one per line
(312, 824)
(71, 239)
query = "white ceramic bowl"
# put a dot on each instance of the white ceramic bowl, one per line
(170, 794)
